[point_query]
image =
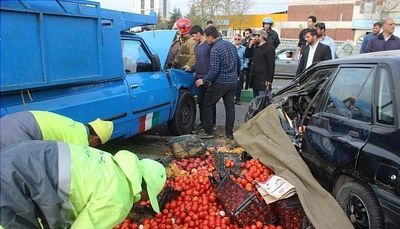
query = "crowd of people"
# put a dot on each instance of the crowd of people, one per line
(222, 73)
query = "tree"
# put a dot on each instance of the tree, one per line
(195, 17)
(175, 15)
(161, 24)
(202, 10)
(240, 8)
(388, 7)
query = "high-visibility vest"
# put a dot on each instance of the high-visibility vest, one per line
(60, 128)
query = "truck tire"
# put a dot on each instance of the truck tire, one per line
(360, 205)
(185, 115)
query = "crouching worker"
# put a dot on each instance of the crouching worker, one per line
(66, 185)
(44, 125)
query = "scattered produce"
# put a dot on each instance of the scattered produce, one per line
(197, 205)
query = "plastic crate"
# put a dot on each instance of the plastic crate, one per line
(254, 210)
(242, 206)
(166, 195)
(290, 213)
(220, 161)
(230, 194)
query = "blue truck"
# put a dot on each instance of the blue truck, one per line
(74, 58)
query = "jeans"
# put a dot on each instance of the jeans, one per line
(201, 93)
(214, 93)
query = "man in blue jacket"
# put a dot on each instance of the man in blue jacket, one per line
(386, 40)
(375, 31)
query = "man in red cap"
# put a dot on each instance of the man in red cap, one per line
(185, 58)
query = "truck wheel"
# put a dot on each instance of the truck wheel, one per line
(185, 115)
(360, 205)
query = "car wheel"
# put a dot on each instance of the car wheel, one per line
(360, 205)
(185, 115)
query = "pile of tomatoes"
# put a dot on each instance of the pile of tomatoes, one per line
(197, 205)
(252, 170)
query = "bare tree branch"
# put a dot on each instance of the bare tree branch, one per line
(388, 7)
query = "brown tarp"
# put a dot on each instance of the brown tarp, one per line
(263, 138)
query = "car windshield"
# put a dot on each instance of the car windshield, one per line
(316, 78)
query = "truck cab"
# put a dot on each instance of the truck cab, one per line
(76, 59)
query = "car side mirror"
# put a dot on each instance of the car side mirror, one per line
(156, 62)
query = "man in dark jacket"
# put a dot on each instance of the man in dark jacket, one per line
(386, 40)
(248, 34)
(375, 31)
(311, 20)
(313, 52)
(273, 37)
(263, 67)
(202, 51)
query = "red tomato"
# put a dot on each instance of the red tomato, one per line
(259, 224)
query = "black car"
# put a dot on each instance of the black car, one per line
(344, 118)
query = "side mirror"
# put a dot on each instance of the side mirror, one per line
(156, 62)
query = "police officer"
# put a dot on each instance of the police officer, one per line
(44, 125)
(273, 37)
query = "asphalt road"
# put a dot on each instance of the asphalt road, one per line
(154, 143)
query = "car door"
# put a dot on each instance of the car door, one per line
(150, 90)
(285, 66)
(380, 158)
(341, 126)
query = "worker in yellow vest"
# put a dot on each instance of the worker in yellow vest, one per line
(73, 186)
(44, 125)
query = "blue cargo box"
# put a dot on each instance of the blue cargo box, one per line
(45, 43)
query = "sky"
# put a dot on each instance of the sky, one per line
(259, 6)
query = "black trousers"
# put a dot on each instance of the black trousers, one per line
(201, 93)
(214, 93)
(240, 85)
(247, 76)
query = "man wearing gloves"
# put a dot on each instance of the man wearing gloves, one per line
(73, 186)
(44, 125)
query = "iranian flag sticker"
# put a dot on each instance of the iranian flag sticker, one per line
(148, 121)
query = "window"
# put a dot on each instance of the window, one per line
(317, 78)
(284, 55)
(151, 4)
(363, 109)
(134, 57)
(384, 106)
(345, 89)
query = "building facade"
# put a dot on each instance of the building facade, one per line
(161, 7)
(344, 19)
(236, 24)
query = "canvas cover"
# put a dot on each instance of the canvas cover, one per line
(263, 138)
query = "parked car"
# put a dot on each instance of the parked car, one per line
(285, 66)
(350, 109)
